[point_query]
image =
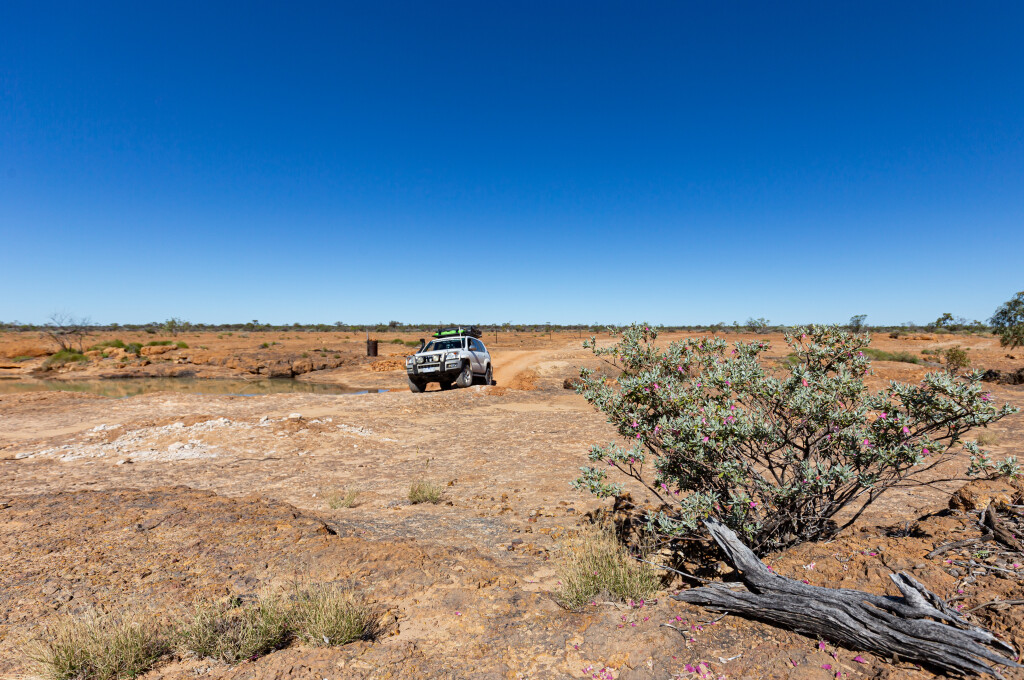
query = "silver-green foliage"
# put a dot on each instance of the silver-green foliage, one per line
(710, 430)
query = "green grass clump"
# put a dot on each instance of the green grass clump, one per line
(98, 648)
(235, 633)
(398, 341)
(342, 499)
(181, 345)
(65, 356)
(412, 343)
(134, 348)
(159, 343)
(326, 616)
(19, 359)
(882, 355)
(594, 565)
(106, 344)
(425, 492)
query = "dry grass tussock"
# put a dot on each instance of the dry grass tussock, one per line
(593, 565)
(987, 438)
(108, 648)
(342, 499)
(234, 633)
(325, 615)
(425, 492)
(98, 648)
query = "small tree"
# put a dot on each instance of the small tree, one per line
(1008, 322)
(712, 431)
(174, 325)
(956, 359)
(759, 325)
(857, 322)
(67, 331)
(944, 321)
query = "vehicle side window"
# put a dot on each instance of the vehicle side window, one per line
(479, 346)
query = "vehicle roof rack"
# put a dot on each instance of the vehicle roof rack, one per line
(456, 331)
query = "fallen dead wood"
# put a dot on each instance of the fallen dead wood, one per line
(959, 544)
(990, 520)
(920, 627)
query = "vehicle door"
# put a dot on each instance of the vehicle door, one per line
(485, 357)
(478, 356)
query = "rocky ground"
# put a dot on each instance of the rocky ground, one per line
(151, 502)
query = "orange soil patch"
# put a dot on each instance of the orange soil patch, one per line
(387, 365)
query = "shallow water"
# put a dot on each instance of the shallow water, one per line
(130, 387)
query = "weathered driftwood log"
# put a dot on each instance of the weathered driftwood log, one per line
(918, 627)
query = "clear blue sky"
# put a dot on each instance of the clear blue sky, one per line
(677, 162)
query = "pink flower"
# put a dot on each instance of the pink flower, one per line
(821, 645)
(827, 666)
(804, 381)
(925, 451)
(883, 416)
(753, 504)
(859, 659)
(906, 430)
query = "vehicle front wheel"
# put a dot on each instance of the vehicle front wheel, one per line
(416, 385)
(465, 378)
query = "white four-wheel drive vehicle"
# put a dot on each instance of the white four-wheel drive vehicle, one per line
(455, 355)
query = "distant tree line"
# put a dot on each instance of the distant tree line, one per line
(67, 330)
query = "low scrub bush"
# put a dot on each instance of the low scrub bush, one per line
(882, 355)
(134, 348)
(107, 344)
(327, 616)
(181, 345)
(342, 499)
(159, 343)
(235, 633)
(19, 359)
(425, 492)
(64, 356)
(98, 648)
(710, 431)
(594, 565)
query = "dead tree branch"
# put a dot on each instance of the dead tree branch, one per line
(919, 627)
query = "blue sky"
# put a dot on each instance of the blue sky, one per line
(531, 161)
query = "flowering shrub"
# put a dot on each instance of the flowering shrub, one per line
(776, 456)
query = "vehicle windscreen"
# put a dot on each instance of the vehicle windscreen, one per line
(439, 345)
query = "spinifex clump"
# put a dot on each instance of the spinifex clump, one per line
(712, 431)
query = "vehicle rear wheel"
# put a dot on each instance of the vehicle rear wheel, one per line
(488, 376)
(465, 378)
(446, 385)
(416, 385)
